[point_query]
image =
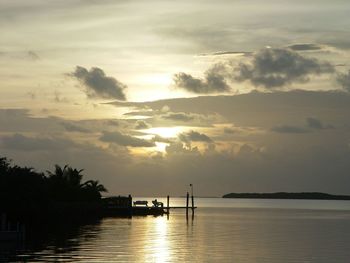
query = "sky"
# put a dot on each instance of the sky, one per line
(151, 96)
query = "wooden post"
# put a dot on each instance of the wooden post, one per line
(130, 205)
(192, 197)
(167, 203)
(187, 201)
(192, 204)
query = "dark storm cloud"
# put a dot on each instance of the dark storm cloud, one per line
(141, 125)
(275, 68)
(305, 47)
(193, 136)
(125, 140)
(343, 80)
(289, 129)
(213, 82)
(74, 128)
(98, 85)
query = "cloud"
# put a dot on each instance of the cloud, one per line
(32, 55)
(311, 124)
(228, 130)
(344, 80)
(139, 113)
(222, 53)
(98, 85)
(305, 47)
(125, 140)
(317, 124)
(314, 123)
(213, 82)
(178, 116)
(142, 125)
(74, 128)
(58, 98)
(289, 129)
(193, 136)
(275, 68)
(20, 142)
(177, 148)
(271, 68)
(112, 122)
(158, 138)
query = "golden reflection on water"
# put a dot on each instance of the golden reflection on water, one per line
(236, 234)
(157, 249)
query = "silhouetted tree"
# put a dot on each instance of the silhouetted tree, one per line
(23, 190)
(93, 189)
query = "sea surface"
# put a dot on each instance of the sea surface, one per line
(221, 230)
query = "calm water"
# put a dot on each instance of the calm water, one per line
(222, 230)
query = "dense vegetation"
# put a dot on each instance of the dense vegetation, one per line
(284, 195)
(23, 191)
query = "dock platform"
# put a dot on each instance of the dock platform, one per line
(123, 206)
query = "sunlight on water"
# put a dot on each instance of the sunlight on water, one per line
(222, 230)
(157, 249)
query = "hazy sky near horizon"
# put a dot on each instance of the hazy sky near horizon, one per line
(150, 96)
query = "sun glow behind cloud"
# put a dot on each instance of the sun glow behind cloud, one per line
(163, 132)
(166, 132)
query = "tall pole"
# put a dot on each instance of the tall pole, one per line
(187, 201)
(192, 197)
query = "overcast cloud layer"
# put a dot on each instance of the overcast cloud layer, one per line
(238, 96)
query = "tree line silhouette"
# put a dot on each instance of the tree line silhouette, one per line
(24, 191)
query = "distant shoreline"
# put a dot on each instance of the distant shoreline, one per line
(286, 195)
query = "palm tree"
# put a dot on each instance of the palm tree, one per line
(66, 183)
(94, 189)
(59, 173)
(74, 177)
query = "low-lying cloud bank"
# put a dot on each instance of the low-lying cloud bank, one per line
(280, 141)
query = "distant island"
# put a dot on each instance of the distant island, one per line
(285, 195)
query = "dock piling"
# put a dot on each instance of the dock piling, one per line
(192, 197)
(192, 204)
(187, 202)
(167, 203)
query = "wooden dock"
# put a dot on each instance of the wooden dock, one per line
(181, 207)
(123, 206)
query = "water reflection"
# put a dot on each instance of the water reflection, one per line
(156, 247)
(218, 234)
(51, 240)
